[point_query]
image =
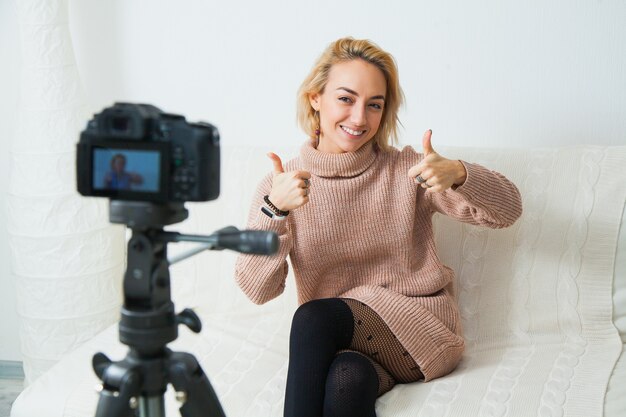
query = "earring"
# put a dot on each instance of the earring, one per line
(317, 129)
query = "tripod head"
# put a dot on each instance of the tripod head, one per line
(148, 320)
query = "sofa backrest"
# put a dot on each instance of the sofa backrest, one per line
(549, 275)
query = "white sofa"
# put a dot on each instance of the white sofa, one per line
(543, 303)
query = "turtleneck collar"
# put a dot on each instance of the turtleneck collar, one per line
(348, 164)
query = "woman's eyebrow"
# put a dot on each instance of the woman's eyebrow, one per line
(379, 97)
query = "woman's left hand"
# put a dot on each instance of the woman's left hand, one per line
(434, 172)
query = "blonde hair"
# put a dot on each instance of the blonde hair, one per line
(347, 49)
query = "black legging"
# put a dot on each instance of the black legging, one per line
(325, 379)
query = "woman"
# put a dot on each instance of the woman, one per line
(118, 178)
(354, 214)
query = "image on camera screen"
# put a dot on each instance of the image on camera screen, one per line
(126, 170)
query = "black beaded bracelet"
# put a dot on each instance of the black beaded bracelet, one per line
(275, 209)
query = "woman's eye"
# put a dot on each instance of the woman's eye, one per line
(345, 99)
(376, 106)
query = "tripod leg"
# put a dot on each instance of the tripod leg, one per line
(187, 376)
(120, 383)
(112, 405)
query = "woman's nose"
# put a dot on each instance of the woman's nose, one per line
(358, 115)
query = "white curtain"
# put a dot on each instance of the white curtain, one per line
(67, 259)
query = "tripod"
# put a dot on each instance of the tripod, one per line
(135, 385)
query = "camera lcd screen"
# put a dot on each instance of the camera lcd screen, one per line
(126, 170)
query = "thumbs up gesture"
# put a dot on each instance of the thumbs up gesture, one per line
(290, 190)
(434, 172)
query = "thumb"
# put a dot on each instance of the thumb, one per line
(278, 164)
(426, 143)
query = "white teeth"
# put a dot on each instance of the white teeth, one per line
(353, 132)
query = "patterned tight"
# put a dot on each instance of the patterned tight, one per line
(342, 356)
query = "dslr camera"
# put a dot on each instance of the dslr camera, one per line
(136, 152)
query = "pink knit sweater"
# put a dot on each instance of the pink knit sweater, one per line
(366, 234)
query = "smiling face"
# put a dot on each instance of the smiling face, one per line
(350, 106)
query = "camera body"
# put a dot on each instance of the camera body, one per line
(136, 152)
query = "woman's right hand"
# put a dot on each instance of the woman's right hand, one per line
(290, 190)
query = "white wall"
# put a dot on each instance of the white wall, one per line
(503, 73)
(483, 73)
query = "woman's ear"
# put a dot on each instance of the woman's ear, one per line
(314, 99)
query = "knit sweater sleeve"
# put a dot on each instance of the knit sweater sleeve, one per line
(486, 198)
(261, 277)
